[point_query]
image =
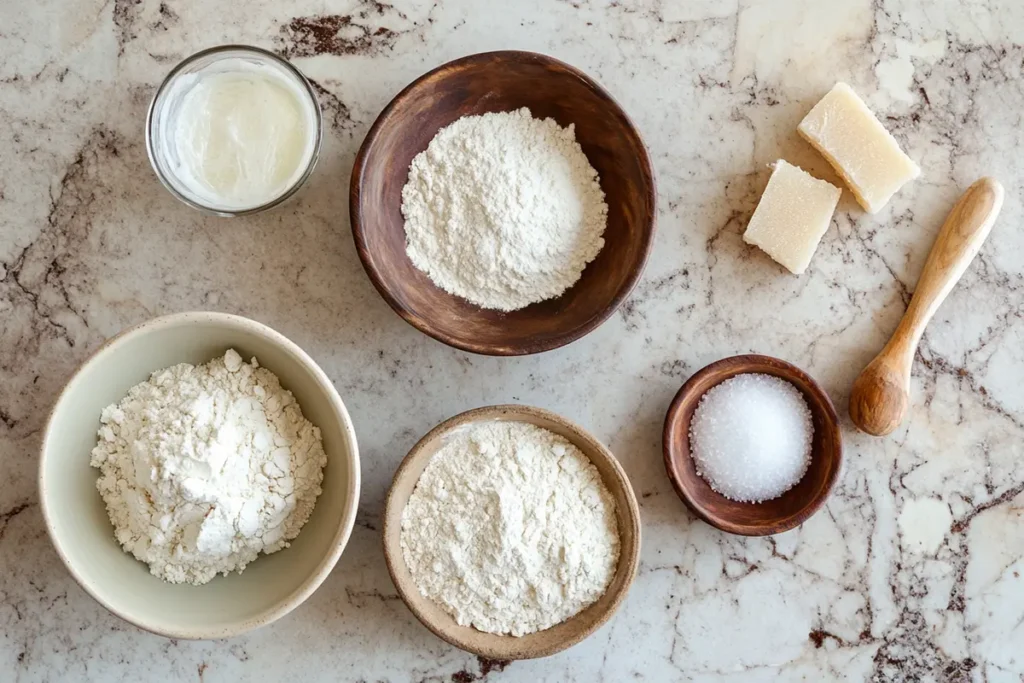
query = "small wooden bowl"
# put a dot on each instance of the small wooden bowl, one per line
(789, 510)
(541, 643)
(495, 82)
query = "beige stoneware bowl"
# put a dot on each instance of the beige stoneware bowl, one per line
(77, 521)
(542, 643)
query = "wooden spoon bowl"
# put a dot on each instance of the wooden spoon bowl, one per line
(793, 507)
(495, 82)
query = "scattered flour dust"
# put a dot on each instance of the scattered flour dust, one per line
(503, 210)
(202, 468)
(510, 529)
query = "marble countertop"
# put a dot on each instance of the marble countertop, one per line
(913, 571)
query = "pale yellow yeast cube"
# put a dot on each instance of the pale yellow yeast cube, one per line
(794, 212)
(858, 146)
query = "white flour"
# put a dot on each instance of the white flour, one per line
(510, 529)
(202, 468)
(503, 210)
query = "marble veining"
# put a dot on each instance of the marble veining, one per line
(913, 569)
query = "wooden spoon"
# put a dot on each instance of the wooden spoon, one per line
(881, 393)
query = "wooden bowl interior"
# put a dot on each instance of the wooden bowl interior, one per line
(496, 82)
(542, 643)
(772, 516)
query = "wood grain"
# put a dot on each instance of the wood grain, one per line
(558, 637)
(494, 82)
(881, 393)
(789, 510)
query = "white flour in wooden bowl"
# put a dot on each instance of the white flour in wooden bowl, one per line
(510, 529)
(503, 210)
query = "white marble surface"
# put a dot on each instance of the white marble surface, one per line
(913, 571)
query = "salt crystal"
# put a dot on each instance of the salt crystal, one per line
(751, 437)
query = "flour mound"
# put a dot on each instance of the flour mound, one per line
(202, 468)
(503, 210)
(510, 529)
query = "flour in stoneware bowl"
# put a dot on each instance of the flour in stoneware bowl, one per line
(510, 529)
(503, 210)
(204, 467)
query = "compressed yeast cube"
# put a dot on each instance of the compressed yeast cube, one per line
(794, 212)
(858, 146)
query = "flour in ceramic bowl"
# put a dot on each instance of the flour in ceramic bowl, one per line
(510, 529)
(503, 210)
(204, 467)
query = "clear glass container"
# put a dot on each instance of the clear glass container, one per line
(162, 124)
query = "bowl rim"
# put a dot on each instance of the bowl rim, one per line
(629, 519)
(671, 425)
(424, 326)
(341, 536)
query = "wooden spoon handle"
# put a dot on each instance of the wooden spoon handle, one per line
(959, 240)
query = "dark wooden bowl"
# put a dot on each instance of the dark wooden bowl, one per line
(793, 507)
(494, 82)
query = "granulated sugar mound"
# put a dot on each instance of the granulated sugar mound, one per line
(750, 437)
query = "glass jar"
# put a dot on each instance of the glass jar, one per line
(209, 118)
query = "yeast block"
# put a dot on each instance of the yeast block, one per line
(794, 212)
(858, 146)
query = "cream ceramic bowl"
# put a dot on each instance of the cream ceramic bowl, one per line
(558, 637)
(77, 521)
